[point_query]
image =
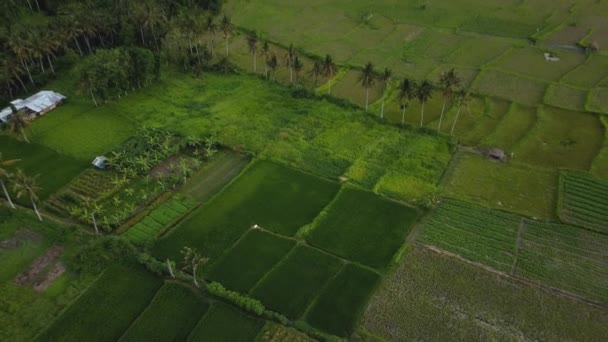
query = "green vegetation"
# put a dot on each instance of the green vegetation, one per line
(342, 302)
(510, 186)
(363, 227)
(225, 323)
(583, 201)
(293, 284)
(117, 298)
(249, 259)
(478, 234)
(433, 296)
(264, 195)
(154, 223)
(172, 314)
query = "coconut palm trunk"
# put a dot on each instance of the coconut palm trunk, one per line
(194, 275)
(48, 58)
(366, 98)
(35, 207)
(382, 107)
(24, 136)
(8, 197)
(255, 63)
(455, 120)
(403, 114)
(226, 46)
(94, 224)
(441, 116)
(329, 86)
(28, 71)
(170, 268)
(422, 114)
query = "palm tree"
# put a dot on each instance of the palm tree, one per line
(289, 59)
(317, 70)
(18, 122)
(407, 91)
(448, 81)
(266, 53)
(423, 93)
(25, 185)
(329, 70)
(298, 65)
(5, 176)
(386, 80)
(462, 99)
(211, 28)
(272, 64)
(252, 42)
(367, 79)
(227, 30)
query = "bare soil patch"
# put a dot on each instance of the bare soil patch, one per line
(43, 271)
(18, 238)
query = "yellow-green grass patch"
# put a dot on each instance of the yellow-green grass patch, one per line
(513, 126)
(563, 96)
(509, 186)
(264, 195)
(561, 138)
(293, 284)
(589, 74)
(509, 86)
(598, 100)
(363, 227)
(253, 256)
(530, 61)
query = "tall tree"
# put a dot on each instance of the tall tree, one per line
(193, 260)
(386, 80)
(448, 82)
(289, 59)
(424, 93)
(462, 99)
(367, 79)
(266, 53)
(298, 65)
(211, 27)
(5, 176)
(18, 121)
(317, 70)
(272, 64)
(24, 185)
(252, 43)
(329, 70)
(227, 30)
(407, 91)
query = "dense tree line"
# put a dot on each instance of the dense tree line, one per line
(36, 35)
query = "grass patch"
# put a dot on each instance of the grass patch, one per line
(294, 283)
(478, 234)
(225, 323)
(264, 195)
(55, 169)
(510, 186)
(108, 308)
(341, 304)
(436, 297)
(561, 138)
(563, 96)
(173, 313)
(363, 227)
(508, 86)
(584, 201)
(531, 62)
(254, 255)
(598, 100)
(513, 126)
(590, 74)
(566, 257)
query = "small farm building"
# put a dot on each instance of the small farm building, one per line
(100, 162)
(496, 154)
(35, 105)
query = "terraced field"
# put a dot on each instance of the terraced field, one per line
(584, 201)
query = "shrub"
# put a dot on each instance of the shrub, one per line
(244, 302)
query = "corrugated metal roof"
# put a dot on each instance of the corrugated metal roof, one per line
(36, 103)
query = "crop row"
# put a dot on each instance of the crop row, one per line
(584, 201)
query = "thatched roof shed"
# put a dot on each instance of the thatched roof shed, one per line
(496, 153)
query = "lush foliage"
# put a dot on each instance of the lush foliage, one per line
(242, 301)
(363, 227)
(172, 314)
(249, 259)
(583, 201)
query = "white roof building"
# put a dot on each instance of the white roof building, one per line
(37, 104)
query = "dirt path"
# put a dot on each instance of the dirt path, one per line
(40, 275)
(214, 176)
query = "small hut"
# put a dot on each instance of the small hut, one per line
(100, 162)
(496, 154)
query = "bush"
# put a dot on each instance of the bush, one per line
(244, 302)
(98, 254)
